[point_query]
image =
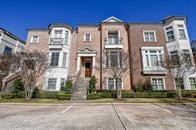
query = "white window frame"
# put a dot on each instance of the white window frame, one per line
(149, 31)
(165, 30)
(181, 27)
(164, 86)
(90, 38)
(118, 60)
(64, 62)
(58, 36)
(32, 37)
(114, 83)
(67, 33)
(55, 84)
(192, 83)
(148, 49)
(51, 58)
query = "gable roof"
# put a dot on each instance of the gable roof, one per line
(112, 19)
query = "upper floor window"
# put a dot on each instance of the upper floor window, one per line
(149, 36)
(63, 82)
(186, 57)
(157, 83)
(174, 58)
(113, 58)
(153, 58)
(170, 33)
(64, 59)
(54, 59)
(66, 37)
(113, 38)
(52, 83)
(7, 50)
(58, 33)
(87, 37)
(35, 39)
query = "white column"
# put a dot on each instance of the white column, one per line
(93, 71)
(78, 63)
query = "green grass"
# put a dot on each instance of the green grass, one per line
(21, 100)
(144, 100)
(104, 100)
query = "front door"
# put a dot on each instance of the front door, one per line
(88, 67)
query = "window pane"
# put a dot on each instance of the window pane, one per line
(62, 82)
(182, 34)
(7, 50)
(52, 83)
(154, 60)
(64, 59)
(87, 37)
(114, 59)
(58, 33)
(66, 37)
(54, 59)
(110, 83)
(107, 58)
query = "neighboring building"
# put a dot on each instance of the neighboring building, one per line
(10, 43)
(193, 45)
(76, 53)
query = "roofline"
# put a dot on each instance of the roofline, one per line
(60, 25)
(174, 16)
(88, 25)
(44, 29)
(145, 23)
(13, 35)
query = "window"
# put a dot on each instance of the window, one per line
(157, 83)
(52, 83)
(182, 31)
(182, 34)
(192, 83)
(174, 57)
(35, 39)
(62, 82)
(58, 33)
(170, 33)
(64, 59)
(112, 84)
(7, 50)
(153, 58)
(186, 56)
(113, 38)
(179, 83)
(66, 37)
(54, 59)
(87, 37)
(113, 59)
(149, 36)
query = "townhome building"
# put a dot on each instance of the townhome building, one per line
(78, 53)
(10, 43)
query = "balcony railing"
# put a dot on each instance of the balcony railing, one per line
(113, 41)
(56, 40)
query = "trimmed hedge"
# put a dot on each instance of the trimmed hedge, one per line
(42, 94)
(147, 94)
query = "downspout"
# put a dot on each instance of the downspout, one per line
(100, 27)
(130, 55)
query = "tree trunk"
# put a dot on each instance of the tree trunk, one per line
(179, 92)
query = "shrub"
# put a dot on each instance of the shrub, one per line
(92, 84)
(143, 86)
(63, 96)
(94, 96)
(17, 86)
(13, 95)
(35, 92)
(47, 94)
(67, 87)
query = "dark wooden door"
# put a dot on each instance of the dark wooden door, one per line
(88, 68)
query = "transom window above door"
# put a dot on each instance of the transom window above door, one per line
(149, 36)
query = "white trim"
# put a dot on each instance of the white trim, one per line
(114, 18)
(150, 31)
(151, 48)
(32, 39)
(86, 55)
(159, 77)
(84, 37)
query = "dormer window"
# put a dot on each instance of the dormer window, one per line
(170, 34)
(87, 37)
(35, 39)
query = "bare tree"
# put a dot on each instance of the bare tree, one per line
(115, 67)
(33, 66)
(179, 68)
